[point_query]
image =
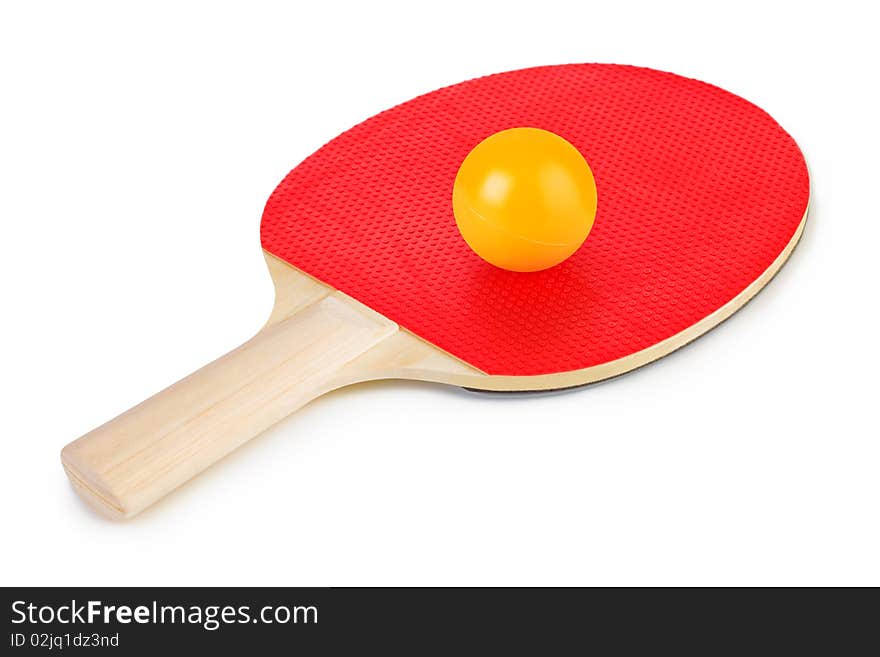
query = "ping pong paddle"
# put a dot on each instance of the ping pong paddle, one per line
(701, 198)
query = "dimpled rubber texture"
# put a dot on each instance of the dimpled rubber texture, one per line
(699, 191)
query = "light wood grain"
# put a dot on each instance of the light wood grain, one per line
(316, 340)
(127, 464)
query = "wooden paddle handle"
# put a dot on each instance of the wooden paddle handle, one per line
(137, 458)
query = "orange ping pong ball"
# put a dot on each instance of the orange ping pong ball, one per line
(524, 199)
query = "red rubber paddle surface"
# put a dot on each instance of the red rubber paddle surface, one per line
(699, 191)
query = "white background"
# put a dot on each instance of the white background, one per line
(137, 148)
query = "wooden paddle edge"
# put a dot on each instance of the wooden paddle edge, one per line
(404, 355)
